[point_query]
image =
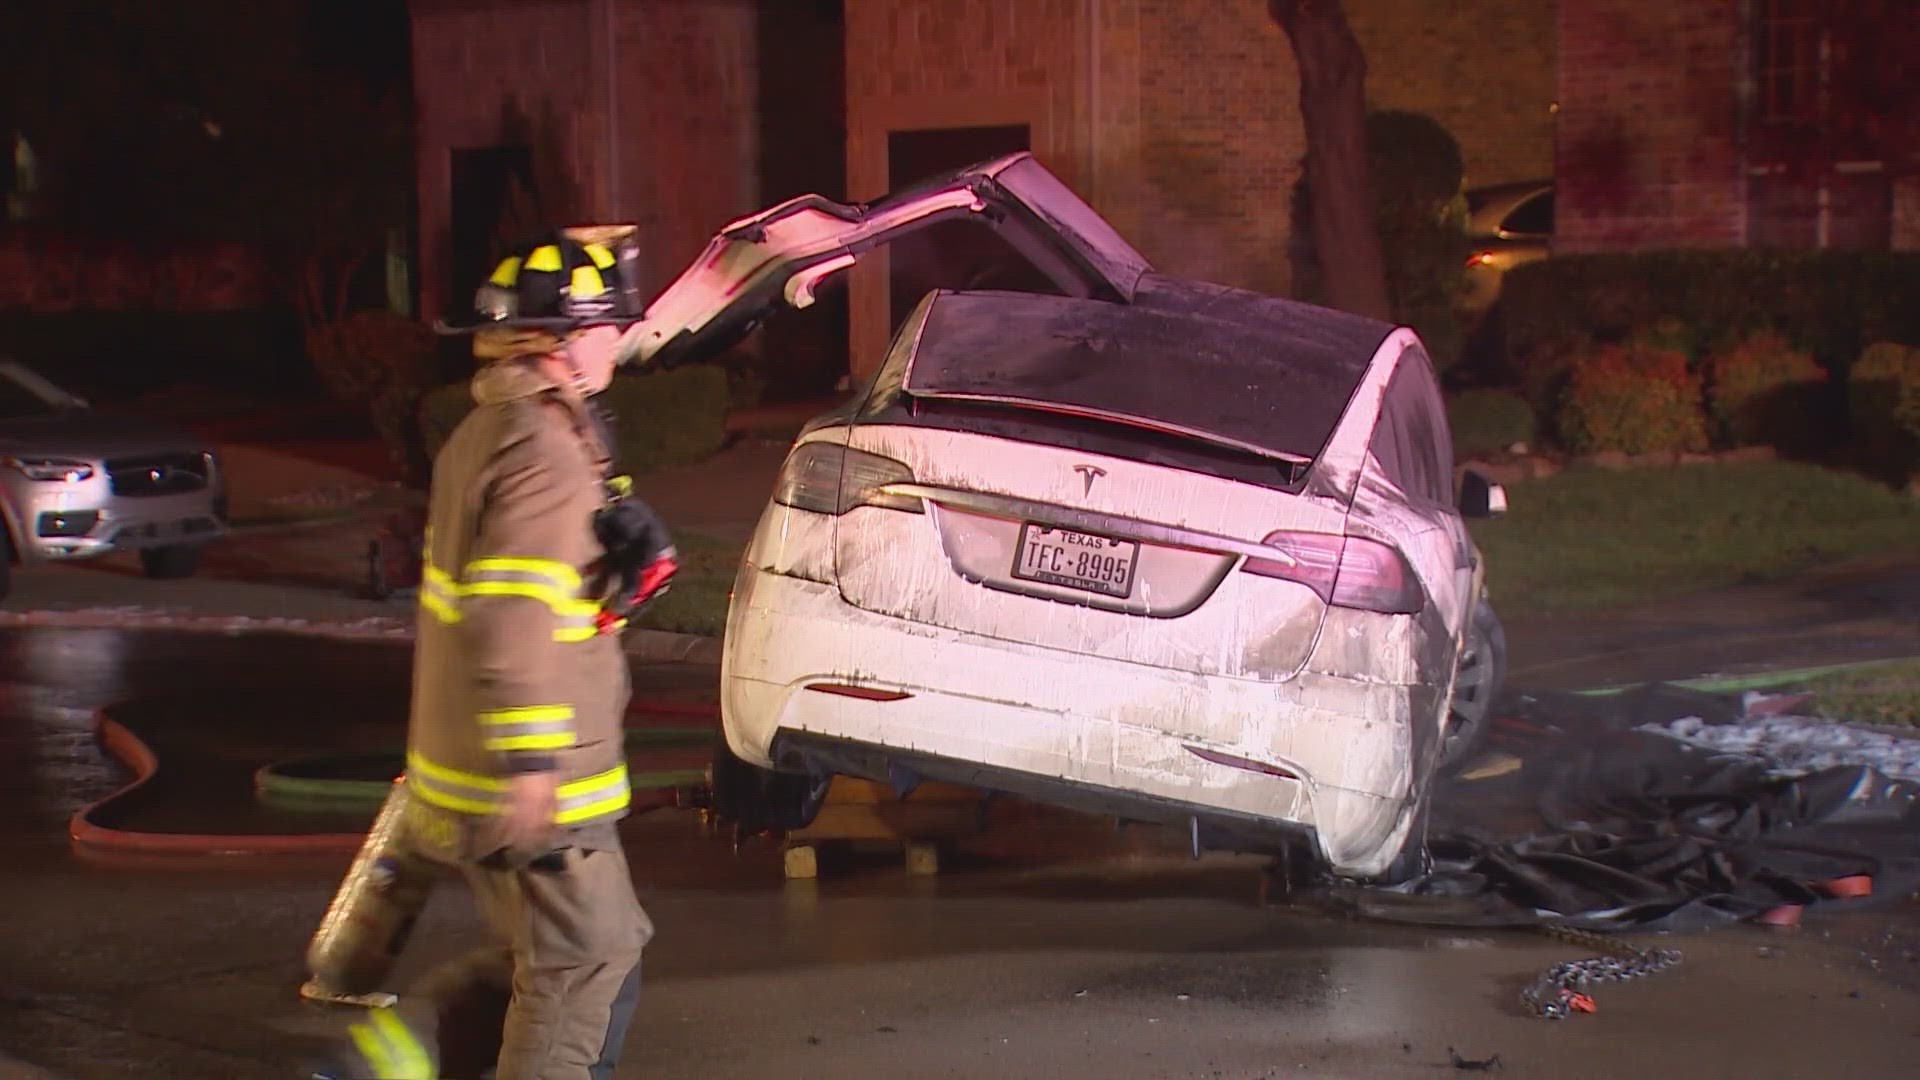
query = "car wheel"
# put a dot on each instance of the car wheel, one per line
(1483, 667)
(758, 800)
(172, 561)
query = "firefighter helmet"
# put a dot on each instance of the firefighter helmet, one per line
(560, 284)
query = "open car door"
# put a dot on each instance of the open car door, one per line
(778, 257)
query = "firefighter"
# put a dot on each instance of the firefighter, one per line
(516, 772)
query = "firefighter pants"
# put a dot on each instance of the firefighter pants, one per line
(548, 999)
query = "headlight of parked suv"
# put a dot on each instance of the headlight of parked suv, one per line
(53, 469)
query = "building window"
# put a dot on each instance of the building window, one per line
(1816, 174)
(1790, 38)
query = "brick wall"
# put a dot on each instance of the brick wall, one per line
(1647, 125)
(688, 129)
(1179, 119)
(1483, 68)
(916, 64)
(680, 107)
(1221, 142)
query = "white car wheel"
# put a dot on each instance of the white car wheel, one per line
(1483, 667)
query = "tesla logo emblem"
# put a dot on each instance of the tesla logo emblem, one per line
(1088, 474)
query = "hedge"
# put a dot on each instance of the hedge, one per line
(662, 418)
(1763, 391)
(1489, 419)
(1830, 303)
(1633, 398)
(1883, 392)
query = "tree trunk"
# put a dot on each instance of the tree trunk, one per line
(1333, 104)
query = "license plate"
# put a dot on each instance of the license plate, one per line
(1077, 560)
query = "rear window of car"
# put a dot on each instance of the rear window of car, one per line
(1222, 377)
(1533, 217)
(1411, 440)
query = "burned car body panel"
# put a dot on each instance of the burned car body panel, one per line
(777, 258)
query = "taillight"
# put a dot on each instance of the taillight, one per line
(830, 479)
(1479, 258)
(1344, 571)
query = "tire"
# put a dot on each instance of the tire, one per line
(759, 800)
(171, 562)
(1483, 668)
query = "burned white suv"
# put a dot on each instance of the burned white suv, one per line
(1118, 540)
(75, 484)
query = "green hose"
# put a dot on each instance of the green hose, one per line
(1765, 680)
(336, 782)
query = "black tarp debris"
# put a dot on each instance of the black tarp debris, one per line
(1633, 830)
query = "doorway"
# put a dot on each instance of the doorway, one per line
(959, 254)
(487, 183)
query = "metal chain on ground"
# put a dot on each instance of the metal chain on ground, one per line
(1557, 992)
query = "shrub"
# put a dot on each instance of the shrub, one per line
(441, 410)
(1484, 420)
(1543, 373)
(377, 363)
(396, 416)
(675, 417)
(661, 418)
(1761, 390)
(1831, 302)
(370, 352)
(1668, 335)
(1883, 399)
(1636, 400)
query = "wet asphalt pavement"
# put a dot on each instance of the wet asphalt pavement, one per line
(1053, 950)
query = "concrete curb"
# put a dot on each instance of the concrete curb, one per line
(647, 646)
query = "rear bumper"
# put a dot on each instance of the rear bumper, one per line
(1109, 736)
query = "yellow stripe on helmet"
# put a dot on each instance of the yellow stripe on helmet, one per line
(506, 273)
(544, 258)
(588, 282)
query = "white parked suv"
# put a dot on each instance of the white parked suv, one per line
(75, 484)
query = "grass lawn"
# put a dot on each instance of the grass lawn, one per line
(697, 603)
(1886, 694)
(1594, 538)
(1584, 540)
